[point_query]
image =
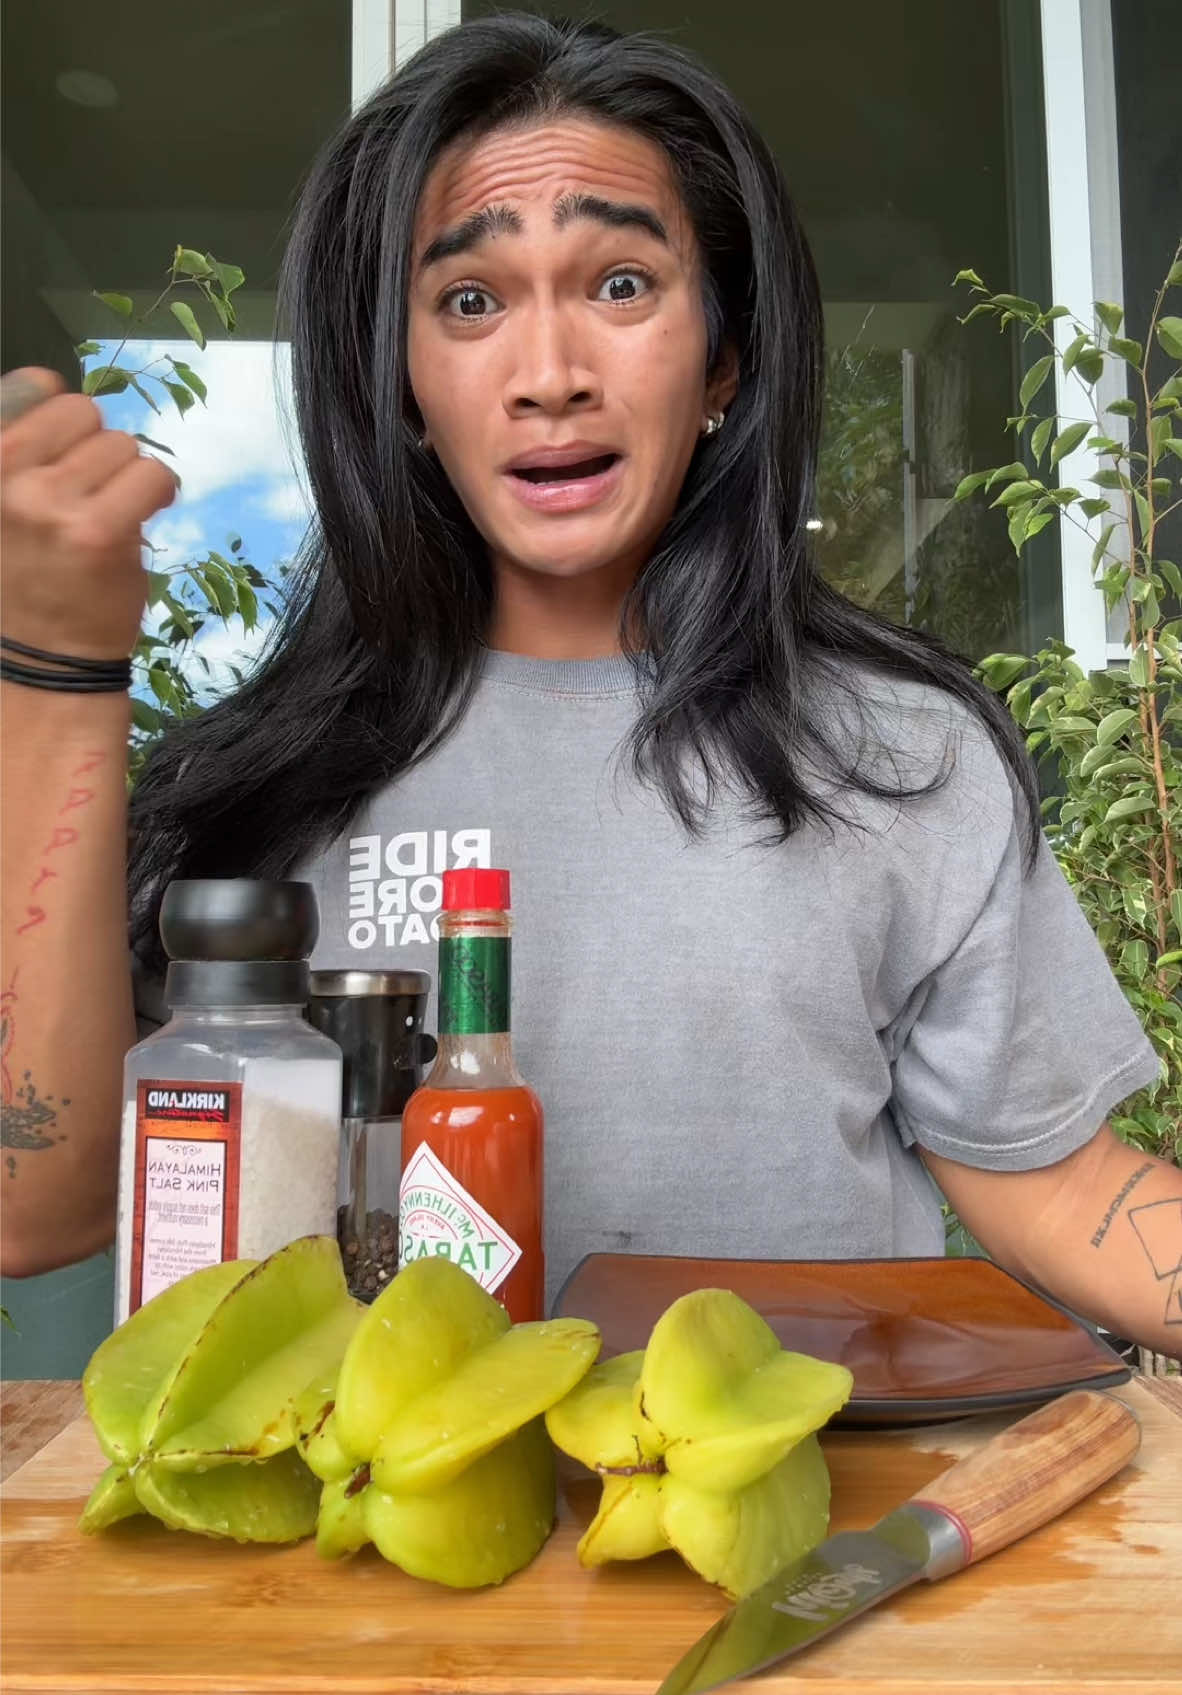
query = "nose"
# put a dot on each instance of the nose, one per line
(552, 368)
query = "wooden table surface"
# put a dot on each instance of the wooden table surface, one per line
(1086, 1606)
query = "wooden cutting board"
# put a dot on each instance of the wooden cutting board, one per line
(1090, 1603)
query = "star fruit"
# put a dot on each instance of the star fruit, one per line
(194, 1398)
(705, 1443)
(432, 1445)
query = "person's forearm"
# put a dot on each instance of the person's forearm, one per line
(65, 977)
(1100, 1231)
(1127, 1258)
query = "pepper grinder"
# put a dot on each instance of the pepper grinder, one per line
(376, 1018)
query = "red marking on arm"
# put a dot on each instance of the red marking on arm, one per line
(63, 836)
(92, 763)
(36, 916)
(43, 876)
(77, 798)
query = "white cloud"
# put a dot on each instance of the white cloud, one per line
(242, 433)
(180, 538)
(287, 503)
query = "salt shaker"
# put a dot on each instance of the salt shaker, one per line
(376, 1018)
(231, 1111)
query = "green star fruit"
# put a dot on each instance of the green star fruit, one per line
(704, 1442)
(434, 1447)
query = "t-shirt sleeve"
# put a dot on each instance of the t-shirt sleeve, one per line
(1021, 1041)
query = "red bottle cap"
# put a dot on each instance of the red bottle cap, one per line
(470, 890)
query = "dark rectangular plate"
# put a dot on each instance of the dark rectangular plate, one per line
(926, 1339)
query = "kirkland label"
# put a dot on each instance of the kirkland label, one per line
(187, 1153)
(437, 1215)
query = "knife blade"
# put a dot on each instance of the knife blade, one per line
(1022, 1478)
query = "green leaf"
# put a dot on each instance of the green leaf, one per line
(1021, 490)
(87, 349)
(1174, 446)
(1123, 408)
(1001, 669)
(180, 395)
(1101, 547)
(1093, 508)
(190, 378)
(1176, 909)
(1129, 806)
(1139, 669)
(1016, 304)
(229, 276)
(1160, 430)
(1169, 334)
(967, 277)
(1035, 377)
(1134, 958)
(1143, 517)
(223, 309)
(1172, 575)
(184, 316)
(158, 445)
(1068, 440)
(1113, 725)
(118, 303)
(1174, 275)
(1110, 478)
(145, 717)
(1073, 350)
(195, 263)
(1037, 523)
(1005, 473)
(1039, 439)
(1131, 352)
(1109, 315)
(144, 395)
(1068, 724)
(158, 582)
(970, 484)
(1090, 367)
(106, 379)
(248, 606)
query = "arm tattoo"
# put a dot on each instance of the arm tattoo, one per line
(1119, 1199)
(1158, 1228)
(27, 1118)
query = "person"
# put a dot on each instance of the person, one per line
(793, 950)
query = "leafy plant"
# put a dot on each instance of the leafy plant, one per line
(217, 585)
(1116, 829)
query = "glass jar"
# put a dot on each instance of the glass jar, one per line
(376, 1018)
(231, 1111)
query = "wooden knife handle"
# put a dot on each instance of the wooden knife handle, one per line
(1034, 1470)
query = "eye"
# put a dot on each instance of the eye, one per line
(625, 286)
(468, 302)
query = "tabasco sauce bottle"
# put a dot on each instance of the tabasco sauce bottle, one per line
(471, 1186)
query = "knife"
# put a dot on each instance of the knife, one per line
(1022, 1478)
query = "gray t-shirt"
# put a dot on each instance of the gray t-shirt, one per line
(738, 1045)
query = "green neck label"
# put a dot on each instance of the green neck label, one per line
(473, 985)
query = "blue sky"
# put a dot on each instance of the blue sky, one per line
(235, 458)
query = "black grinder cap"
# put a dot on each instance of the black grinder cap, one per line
(238, 941)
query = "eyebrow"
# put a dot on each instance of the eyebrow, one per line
(503, 220)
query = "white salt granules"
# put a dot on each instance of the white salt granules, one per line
(287, 1185)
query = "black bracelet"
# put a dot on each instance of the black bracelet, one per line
(35, 677)
(101, 667)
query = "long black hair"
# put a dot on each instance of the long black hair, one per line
(375, 658)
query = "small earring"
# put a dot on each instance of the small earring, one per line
(713, 423)
(425, 443)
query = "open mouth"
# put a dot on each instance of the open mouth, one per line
(583, 468)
